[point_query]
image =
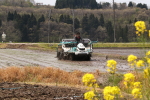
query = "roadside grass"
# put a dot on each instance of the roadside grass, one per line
(32, 46)
(121, 45)
(102, 45)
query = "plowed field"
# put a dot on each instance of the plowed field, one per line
(16, 91)
(21, 57)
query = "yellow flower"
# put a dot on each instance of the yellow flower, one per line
(129, 79)
(148, 57)
(140, 26)
(140, 63)
(110, 92)
(88, 80)
(137, 93)
(137, 32)
(111, 63)
(132, 60)
(149, 33)
(89, 95)
(96, 85)
(148, 61)
(126, 84)
(146, 73)
(112, 66)
(148, 53)
(137, 85)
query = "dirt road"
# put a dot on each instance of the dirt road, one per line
(21, 57)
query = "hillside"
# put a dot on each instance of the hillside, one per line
(96, 24)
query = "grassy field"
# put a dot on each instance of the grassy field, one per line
(102, 45)
(121, 45)
(32, 46)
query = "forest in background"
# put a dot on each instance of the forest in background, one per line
(25, 22)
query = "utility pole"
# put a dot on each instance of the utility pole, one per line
(114, 21)
(73, 21)
(49, 23)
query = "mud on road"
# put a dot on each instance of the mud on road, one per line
(22, 57)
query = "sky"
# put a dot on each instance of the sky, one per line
(52, 2)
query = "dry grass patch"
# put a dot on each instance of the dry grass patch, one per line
(3, 45)
(40, 74)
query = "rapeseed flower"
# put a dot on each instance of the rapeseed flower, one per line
(88, 80)
(138, 33)
(146, 73)
(129, 79)
(140, 63)
(148, 53)
(148, 60)
(132, 60)
(111, 63)
(137, 85)
(148, 57)
(89, 95)
(136, 92)
(140, 26)
(111, 92)
(112, 66)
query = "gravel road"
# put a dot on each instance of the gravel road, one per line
(21, 57)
